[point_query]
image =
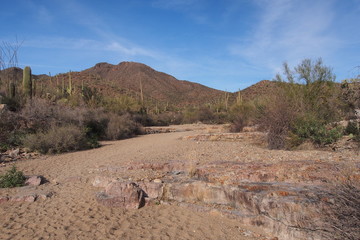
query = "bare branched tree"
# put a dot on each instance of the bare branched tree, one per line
(8, 59)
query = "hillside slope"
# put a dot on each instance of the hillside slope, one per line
(155, 85)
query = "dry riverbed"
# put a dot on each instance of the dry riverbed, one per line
(71, 210)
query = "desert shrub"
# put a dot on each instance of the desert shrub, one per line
(206, 115)
(190, 115)
(341, 218)
(242, 114)
(58, 139)
(12, 178)
(13, 104)
(122, 104)
(277, 119)
(96, 128)
(352, 128)
(40, 114)
(120, 127)
(308, 90)
(163, 119)
(313, 129)
(10, 130)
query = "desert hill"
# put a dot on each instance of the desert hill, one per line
(262, 88)
(164, 87)
(136, 78)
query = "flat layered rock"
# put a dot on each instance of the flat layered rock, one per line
(127, 195)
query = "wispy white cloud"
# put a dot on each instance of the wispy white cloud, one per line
(131, 50)
(289, 30)
(124, 49)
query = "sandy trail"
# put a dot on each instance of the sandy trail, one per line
(73, 213)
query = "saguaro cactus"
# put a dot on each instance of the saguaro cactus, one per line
(27, 82)
(70, 88)
(33, 87)
(12, 90)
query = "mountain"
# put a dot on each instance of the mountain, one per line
(155, 85)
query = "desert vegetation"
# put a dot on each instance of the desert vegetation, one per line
(306, 105)
(70, 111)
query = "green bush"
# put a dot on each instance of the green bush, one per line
(12, 178)
(310, 128)
(59, 139)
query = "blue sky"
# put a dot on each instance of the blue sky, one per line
(224, 44)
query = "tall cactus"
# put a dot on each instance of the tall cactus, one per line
(63, 86)
(12, 89)
(27, 82)
(33, 87)
(70, 88)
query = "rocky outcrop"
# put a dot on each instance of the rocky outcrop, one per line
(283, 198)
(311, 172)
(282, 209)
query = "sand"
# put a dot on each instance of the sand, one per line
(73, 212)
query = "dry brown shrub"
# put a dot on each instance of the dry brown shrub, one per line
(341, 219)
(277, 119)
(9, 123)
(120, 127)
(57, 139)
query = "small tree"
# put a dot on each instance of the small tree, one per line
(307, 92)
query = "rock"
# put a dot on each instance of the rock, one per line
(157, 180)
(274, 207)
(122, 194)
(44, 196)
(101, 181)
(14, 153)
(4, 199)
(33, 181)
(152, 190)
(73, 179)
(24, 198)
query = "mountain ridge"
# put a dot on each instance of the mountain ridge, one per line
(137, 78)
